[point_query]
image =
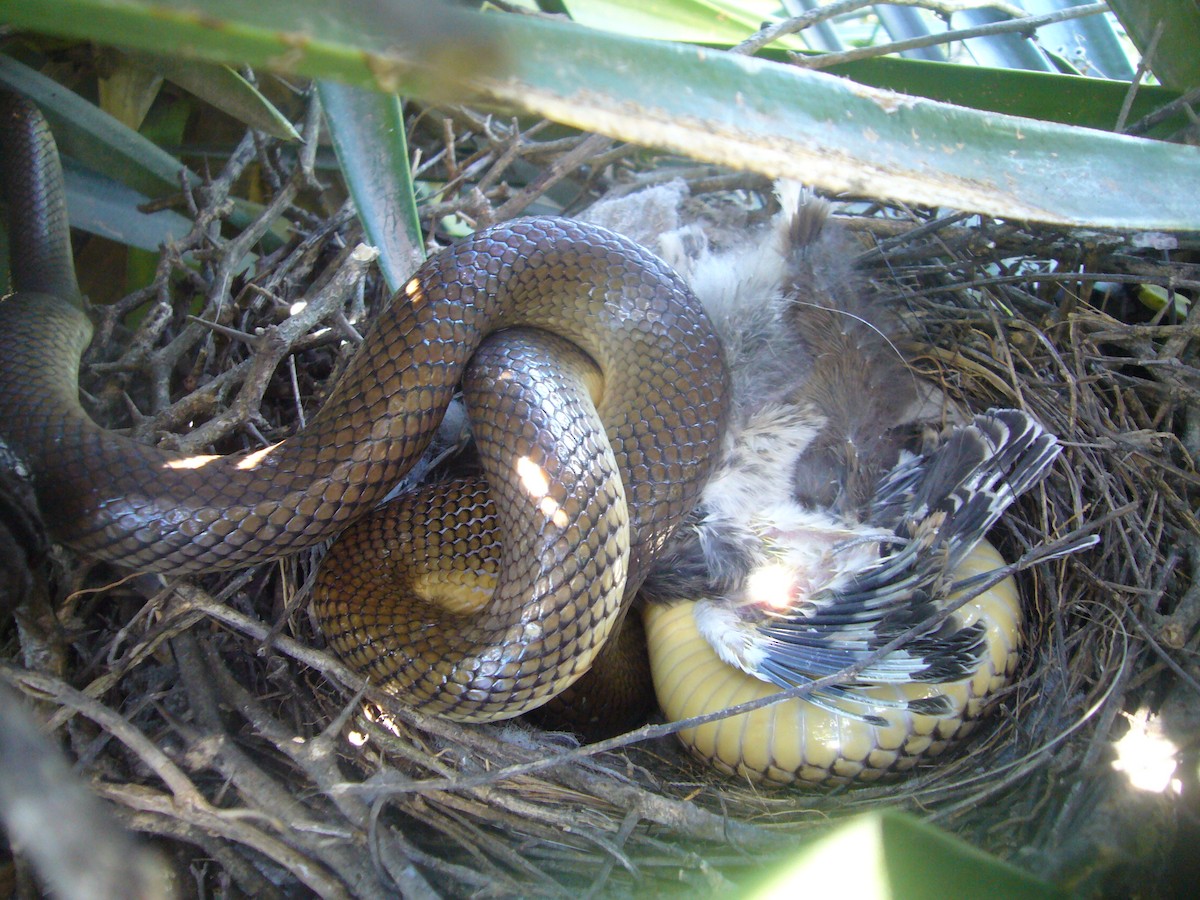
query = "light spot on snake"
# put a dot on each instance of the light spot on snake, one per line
(552, 511)
(189, 462)
(537, 484)
(252, 460)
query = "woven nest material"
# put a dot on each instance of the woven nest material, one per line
(205, 714)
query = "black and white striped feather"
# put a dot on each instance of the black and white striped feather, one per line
(937, 508)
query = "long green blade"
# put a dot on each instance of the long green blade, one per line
(1169, 31)
(368, 137)
(747, 113)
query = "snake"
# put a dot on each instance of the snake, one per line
(591, 485)
(794, 740)
(598, 395)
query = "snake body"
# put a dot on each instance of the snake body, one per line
(796, 740)
(662, 409)
(599, 398)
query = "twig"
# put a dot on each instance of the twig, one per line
(70, 837)
(1143, 67)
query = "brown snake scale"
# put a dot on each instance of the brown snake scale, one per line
(494, 664)
(570, 560)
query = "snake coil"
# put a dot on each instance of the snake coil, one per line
(574, 549)
(598, 394)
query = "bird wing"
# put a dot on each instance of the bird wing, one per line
(939, 507)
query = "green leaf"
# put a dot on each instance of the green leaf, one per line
(101, 206)
(89, 134)
(746, 113)
(892, 856)
(128, 90)
(1090, 102)
(225, 89)
(1176, 56)
(1047, 96)
(694, 21)
(368, 137)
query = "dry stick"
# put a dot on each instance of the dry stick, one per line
(298, 264)
(236, 866)
(273, 344)
(497, 886)
(627, 825)
(522, 813)
(290, 819)
(230, 825)
(592, 146)
(1016, 771)
(232, 256)
(467, 814)
(116, 669)
(680, 816)
(1184, 616)
(110, 678)
(699, 179)
(1181, 104)
(667, 812)
(67, 833)
(297, 397)
(1099, 744)
(1161, 651)
(136, 352)
(310, 134)
(254, 883)
(1176, 345)
(317, 758)
(196, 405)
(230, 253)
(186, 801)
(1165, 280)
(45, 687)
(1143, 67)
(508, 146)
(480, 846)
(933, 226)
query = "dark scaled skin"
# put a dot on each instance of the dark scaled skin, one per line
(662, 408)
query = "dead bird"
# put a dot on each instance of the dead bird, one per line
(850, 493)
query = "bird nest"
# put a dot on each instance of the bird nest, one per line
(207, 715)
